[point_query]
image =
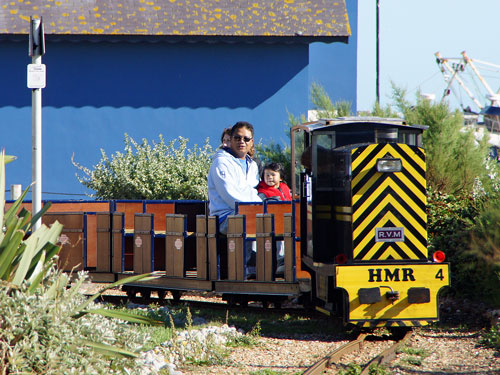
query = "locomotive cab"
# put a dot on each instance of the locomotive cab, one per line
(362, 188)
(334, 162)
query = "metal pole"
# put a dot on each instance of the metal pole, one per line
(377, 55)
(36, 83)
(36, 131)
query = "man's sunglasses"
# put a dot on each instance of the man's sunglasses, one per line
(238, 138)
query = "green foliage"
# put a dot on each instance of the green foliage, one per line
(461, 180)
(275, 153)
(267, 372)
(485, 242)
(386, 112)
(376, 369)
(35, 299)
(39, 335)
(144, 171)
(415, 351)
(324, 106)
(484, 254)
(466, 228)
(450, 220)
(491, 338)
(24, 258)
(414, 361)
(247, 340)
(352, 369)
(414, 356)
(454, 158)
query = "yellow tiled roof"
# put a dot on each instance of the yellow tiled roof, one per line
(271, 18)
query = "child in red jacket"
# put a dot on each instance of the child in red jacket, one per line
(272, 185)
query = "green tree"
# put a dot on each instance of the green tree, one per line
(484, 255)
(324, 107)
(144, 171)
(455, 159)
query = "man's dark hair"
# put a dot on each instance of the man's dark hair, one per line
(276, 167)
(241, 124)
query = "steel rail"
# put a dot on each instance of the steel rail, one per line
(335, 355)
(387, 355)
(356, 345)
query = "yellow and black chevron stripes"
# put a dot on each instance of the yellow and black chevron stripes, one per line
(382, 200)
(393, 323)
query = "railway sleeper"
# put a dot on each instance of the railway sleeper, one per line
(244, 299)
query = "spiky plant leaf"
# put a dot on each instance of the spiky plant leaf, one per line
(2, 191)
(109, 350)
(39, 274)
(47, 253)
(131, 279)
(9, 158)
(35, 243)
(40, 213)
(61, 282)
(14, 208)
(8, 254)
(123, 315)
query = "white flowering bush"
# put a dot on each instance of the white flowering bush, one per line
(144, 171)
(206, 345)
(196, 344)
(39, 334)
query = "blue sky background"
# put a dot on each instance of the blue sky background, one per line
(411, 32)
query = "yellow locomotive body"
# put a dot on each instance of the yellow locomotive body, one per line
(392, 295)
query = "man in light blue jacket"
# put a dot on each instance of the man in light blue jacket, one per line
(233, 175)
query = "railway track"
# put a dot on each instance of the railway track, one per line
(207, 303)
(401, 337)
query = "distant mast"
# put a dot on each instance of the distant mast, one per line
(463, 70)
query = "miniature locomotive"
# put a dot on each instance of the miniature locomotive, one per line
(354, 237)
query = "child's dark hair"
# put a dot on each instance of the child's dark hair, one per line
(276, 167)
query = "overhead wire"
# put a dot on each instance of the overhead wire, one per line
(424, 81)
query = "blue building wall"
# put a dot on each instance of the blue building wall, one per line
(96, 92)
(333, 65)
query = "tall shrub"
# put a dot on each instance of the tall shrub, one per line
(450, 220)
(455, 159)
(324, 107)
(484, 253)
(144, 171)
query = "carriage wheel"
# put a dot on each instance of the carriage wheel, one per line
(161, 294)
(145, 293)
(176, 295)
(131, 292)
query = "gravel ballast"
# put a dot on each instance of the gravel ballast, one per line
(432, 351)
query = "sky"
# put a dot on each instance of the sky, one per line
(411, 32)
